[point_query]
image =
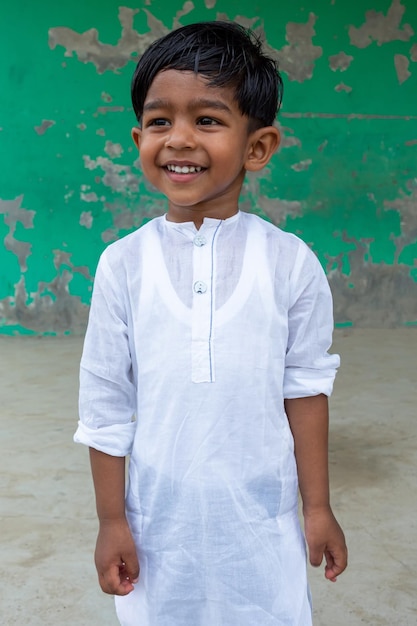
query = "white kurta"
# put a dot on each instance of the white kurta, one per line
(194, 340)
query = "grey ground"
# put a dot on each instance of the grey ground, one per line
(47, 516)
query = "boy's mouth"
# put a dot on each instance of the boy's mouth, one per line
(184, 169)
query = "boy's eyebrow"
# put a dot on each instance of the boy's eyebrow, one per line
(195, 103)
(158, 103)
(209, 104)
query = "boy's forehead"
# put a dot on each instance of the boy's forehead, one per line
(187, 85)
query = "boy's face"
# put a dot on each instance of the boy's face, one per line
(194, 146)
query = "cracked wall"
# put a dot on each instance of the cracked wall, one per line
(344, 179)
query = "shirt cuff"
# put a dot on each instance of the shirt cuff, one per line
(115, 440)
(302, 382)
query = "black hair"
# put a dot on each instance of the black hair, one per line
(228, 55)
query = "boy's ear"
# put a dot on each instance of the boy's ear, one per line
(262, 145)
(136, 136)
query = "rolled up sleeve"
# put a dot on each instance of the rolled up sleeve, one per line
(107, 398)
(309, 368)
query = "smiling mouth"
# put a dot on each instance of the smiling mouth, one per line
(184, 169)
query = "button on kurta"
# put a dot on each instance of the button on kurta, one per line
(199, 240)
(200, 287)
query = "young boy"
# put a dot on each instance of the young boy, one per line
(206, 361)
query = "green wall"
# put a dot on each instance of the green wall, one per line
(344, 179)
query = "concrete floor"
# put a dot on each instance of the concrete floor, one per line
(47, 515)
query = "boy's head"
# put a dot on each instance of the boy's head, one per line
(224, 53)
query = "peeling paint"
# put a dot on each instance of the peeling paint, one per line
(301, 166)
(276, 209)
(14, 213)
(105, 110)
(401, 67)
(344, 177)
(105, 57)
(50, 308)
(90, 50)
(381, 28)
(340, 61)
(406, 205)
(114, 150)
(41, 130)
(22, 249)
(347, 116)
(89, 197)
(117, 177)
(125, 219)
(86, 219)
(288, 140)
(188, 6)
(381, 310)
(297, 59)
(279, 209)
(343, 87)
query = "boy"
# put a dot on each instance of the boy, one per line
(206, 360)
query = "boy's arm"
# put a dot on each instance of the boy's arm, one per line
(115, 557)
(309, 418)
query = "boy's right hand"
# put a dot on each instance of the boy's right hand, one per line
(115, 557)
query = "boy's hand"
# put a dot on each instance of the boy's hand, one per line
(115, 558)
(325, 538)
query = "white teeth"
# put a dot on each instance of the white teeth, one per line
(185, 169)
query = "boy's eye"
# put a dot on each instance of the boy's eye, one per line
(159, 121)
(207, 121)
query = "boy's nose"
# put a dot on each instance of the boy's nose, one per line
(181, 137)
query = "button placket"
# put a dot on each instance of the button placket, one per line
(203, 307)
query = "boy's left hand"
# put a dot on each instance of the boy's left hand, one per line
(325, 538)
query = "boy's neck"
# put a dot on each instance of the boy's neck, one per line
(192, 214)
